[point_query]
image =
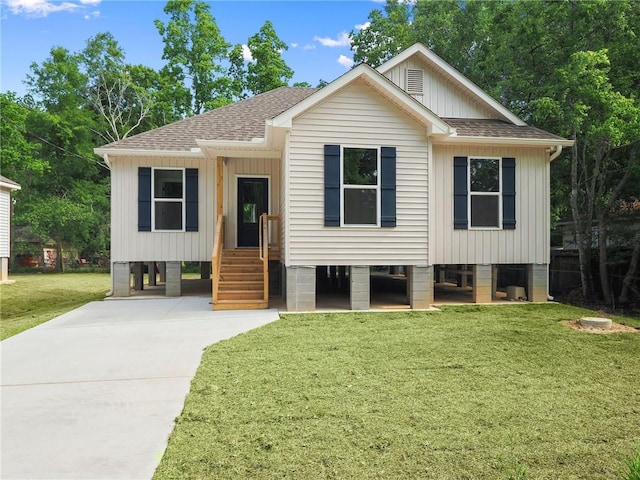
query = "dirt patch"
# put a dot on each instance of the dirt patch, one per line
(615, 328)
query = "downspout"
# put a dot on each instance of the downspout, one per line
(554, 154)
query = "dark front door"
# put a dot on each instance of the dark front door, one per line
(253, 201)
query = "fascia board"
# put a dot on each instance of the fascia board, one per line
(10, 186)
(526, 142)
(430, 56)
(131, 152)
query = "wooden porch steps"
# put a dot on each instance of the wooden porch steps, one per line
(240, 285)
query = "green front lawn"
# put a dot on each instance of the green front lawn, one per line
(470, 392)
(38, 297)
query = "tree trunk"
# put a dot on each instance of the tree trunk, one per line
(59, 261)
(603, 260)
(582, 229)
(631, 272)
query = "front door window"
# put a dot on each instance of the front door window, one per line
(253, 201)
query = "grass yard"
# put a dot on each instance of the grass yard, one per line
(36, 298)
(500, 392)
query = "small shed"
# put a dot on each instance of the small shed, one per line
(6, 187)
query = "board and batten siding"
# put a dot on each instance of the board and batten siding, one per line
(528, 243)
(356, 116)
(441, 96)
(129, 245)
(247, 167)
(5, 227)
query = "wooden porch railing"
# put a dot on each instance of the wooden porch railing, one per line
(216, 258)
(269, 249)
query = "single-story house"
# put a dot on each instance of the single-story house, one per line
(6, 187)
(410, 164)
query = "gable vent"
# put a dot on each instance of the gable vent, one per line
(415, 81)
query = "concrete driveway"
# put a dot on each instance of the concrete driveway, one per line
(93, 393)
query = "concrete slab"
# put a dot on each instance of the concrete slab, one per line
(93, 393)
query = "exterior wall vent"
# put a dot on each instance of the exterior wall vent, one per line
(415, 81)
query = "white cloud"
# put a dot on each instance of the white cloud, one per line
(42, 8)
(294, 45)
(363, 26)
(94, 14)
(345, 61)
(309, 46)
(343, 40)
(246, 53)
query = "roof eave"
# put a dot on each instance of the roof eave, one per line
(511, 141)
(240, 148)
(145, 152)
(10, 186)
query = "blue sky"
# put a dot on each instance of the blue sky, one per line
(315, 31)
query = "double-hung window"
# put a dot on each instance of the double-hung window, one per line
(484, 193)
(168, 199)
(360, 186)
(485, 199)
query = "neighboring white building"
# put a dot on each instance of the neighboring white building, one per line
(409, 164)
(6, 187)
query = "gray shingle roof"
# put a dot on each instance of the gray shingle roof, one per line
(470, 127)
(243, 120)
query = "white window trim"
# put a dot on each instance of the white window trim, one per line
(172, 200)
(376, 187)
(498, 193)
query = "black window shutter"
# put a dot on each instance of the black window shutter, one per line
(332, 185)
(191, 189)
(509, 193)
(144, 199)
(388, 186)
(460, 193)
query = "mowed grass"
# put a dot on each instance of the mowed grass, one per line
(36, 298)
(468, 393)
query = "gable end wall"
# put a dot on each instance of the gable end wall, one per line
(440, 95)
(359, 117)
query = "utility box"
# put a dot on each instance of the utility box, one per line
(516, 293)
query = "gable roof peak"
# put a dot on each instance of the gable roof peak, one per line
(440, 66)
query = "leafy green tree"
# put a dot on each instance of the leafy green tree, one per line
(20, 158)
(268, 70)
(195, 51)
(390, 32)
(60, 205)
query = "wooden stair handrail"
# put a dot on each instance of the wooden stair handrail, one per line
(267, 248)
(216, 258)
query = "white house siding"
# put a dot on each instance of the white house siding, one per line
(284, 203)
(127, 244)
(5, 209)
(440, 95)
(528, 243)
(247, 167)
(356, 116)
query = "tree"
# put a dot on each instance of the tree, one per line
(112, 92)
(268, 70)
(194, 50)
(389, 33)
(69, 204)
